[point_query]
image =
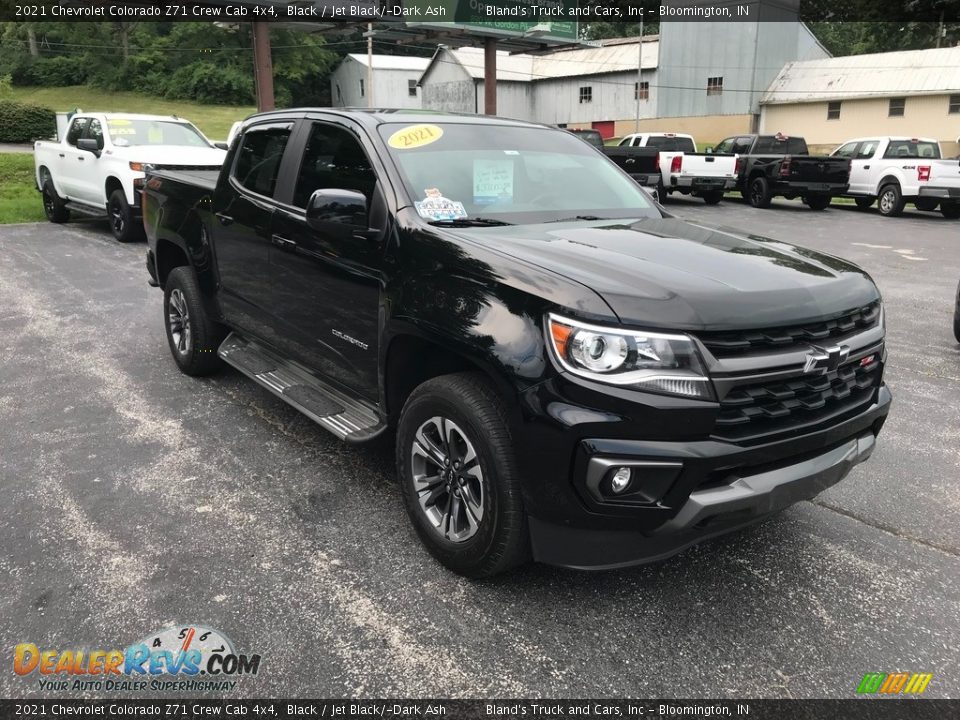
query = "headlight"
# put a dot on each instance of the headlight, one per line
(651, 361)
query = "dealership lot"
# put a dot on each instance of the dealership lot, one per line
(139, 498)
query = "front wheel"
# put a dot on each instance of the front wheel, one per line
(759, 195)
(54, 206)
(816, 202)
(459, 478)
(890, 201)
(122, 223)
(712, 197)
(951, 211)
(192, 335)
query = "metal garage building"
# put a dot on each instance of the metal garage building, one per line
(704, 78)
(395, 80)
(915, 93)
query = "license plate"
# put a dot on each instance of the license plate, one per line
(708, 183)
(822, 187)
(640, 179)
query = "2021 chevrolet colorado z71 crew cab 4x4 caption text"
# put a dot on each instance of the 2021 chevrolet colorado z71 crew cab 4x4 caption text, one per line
(573, 375)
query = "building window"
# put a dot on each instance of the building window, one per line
(586, 94)
(715, 86)
(361, 87)
(833, 111)
(954, 107)
(897, 106)
(641, 91)
(412, 88)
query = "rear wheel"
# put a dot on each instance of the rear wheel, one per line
(926, 204)
(816, 202)
(192, 335)
(661, 193)
(890, 201)
(122, 223)
(951, 211)
(54, 206)
(458, 476)
(863, 202)
(759, 192)
(712, 197)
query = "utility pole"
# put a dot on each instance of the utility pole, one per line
(369, 65)
(490, 76)
(639, 72)
(263, 66)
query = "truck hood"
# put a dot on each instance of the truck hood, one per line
(667, 273)
(171, 155)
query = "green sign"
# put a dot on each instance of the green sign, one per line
(538, 20)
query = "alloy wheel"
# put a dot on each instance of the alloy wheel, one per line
(886, 201)
(116, 218)
(178, 319)
(447, 479)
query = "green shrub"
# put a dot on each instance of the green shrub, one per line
(208, 83)
(20, 122)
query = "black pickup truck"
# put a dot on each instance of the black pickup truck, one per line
(571, 374)
(780, 166)
(641, 164)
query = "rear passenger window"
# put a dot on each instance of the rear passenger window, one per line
(333, 158)
(867, 150)
(258, 160)
(76, 130)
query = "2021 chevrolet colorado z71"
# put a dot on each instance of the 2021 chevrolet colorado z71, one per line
(573, 375)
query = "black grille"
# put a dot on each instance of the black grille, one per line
(769, 408)
(726, 344)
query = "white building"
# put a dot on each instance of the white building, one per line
(914, 93)
(395, 81)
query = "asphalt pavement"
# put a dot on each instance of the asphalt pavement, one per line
(137, 498)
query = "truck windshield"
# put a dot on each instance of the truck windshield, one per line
(515, 175)
(128, 132)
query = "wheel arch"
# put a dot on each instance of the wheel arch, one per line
(888, 179)
(113, 183)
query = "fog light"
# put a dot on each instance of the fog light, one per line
(620, 480)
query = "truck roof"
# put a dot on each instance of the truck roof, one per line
(130, 116)
(379, 116)
(913, 138)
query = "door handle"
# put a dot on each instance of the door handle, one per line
(866, 167)
(80, 158)
(283, 243)
(224, 219)
(62, 155)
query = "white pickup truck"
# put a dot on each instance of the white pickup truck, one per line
(684, 170)
(98, 166)
(898, 170)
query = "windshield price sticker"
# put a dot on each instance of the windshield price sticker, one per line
(414, 136)
(437, 207)
(492, 181)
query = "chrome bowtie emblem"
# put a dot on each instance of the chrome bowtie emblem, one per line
(822, 360)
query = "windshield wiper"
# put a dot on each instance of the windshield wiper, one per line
(579, 217)
(469, 222)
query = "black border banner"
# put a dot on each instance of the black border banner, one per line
(531, 11)
(873, 708)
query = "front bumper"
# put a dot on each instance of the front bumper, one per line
(722, 487)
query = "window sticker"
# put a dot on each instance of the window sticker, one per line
(492, 181)
(437, 207)
(414, 136)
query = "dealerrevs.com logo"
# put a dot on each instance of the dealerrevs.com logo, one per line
(183, 658)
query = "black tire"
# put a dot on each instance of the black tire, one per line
(661, 193)
(864, 202)
(759, 192)
(926, 204)
(194, 337)
(817, 202)
(712, 197)
(951, 211)
(122, 223)
(471, 412)
(890, 202)
(956, 318)
(54, 206)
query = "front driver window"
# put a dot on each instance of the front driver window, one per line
(333, 158)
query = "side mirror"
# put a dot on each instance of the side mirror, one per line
(90, 145)
(343, 207)
(709, 150)
(221, 145)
